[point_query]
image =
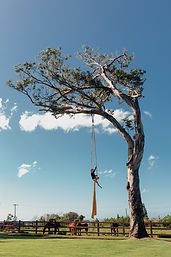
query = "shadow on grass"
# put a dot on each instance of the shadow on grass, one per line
(20, 236)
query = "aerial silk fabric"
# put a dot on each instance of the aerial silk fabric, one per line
(94, 208)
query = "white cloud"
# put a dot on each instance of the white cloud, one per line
(25, 168)
(14, 108)
(148, 114)
(110, 130)
(145, 191)
(151, 157)
(29, 122)
(0, 103)
(152, 160)
(34, 163)
(4, 117)
(4, 122)
(108, 173)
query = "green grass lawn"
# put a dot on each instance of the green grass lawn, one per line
(36, 247)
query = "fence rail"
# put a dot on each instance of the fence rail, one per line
(154, 229)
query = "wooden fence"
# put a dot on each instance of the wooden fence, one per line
(154, 229)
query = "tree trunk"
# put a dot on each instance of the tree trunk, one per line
(137, 226)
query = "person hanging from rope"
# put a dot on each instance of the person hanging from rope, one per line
(94, 176)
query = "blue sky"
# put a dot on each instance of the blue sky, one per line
(44, 163)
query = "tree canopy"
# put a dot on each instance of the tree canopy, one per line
(56, 87)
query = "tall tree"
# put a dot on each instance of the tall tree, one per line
(53, 85)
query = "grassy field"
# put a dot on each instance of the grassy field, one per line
(40, 247)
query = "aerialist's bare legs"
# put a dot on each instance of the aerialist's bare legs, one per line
(95, 180)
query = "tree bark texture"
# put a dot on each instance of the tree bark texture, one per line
(137, 226)
(135, 155)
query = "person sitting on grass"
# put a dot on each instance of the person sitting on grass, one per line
(94, 176)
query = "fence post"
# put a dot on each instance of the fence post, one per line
(36, 225)
(19, 226)
(23, 225)
(4, 224)
(98, 228)
(123, 228)
(55, 228)
(151, 228)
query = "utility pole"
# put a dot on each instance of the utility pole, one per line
(15, 211)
